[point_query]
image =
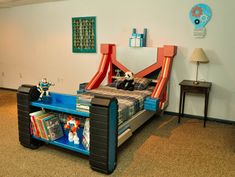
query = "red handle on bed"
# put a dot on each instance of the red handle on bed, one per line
(160, 89)
(106, 50)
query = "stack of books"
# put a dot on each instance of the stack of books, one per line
(46, 125)
(86, 134)
(83, 103)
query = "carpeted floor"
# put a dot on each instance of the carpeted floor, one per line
(160, 148)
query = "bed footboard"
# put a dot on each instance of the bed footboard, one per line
(103, 134)
(25, 94)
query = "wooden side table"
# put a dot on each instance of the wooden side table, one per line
(190, 87)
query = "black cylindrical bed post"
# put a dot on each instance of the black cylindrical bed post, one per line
(103, 134)
(26, 94)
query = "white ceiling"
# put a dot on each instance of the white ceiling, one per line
(13, 3)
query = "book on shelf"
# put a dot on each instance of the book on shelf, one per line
(46, 125)
(40, 125)
(83, 110)
(83, 106)
(86, 134)
(53, 128)
(34, 125)
(84, 98)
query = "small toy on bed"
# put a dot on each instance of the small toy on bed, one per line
(128, 83)
(43, 87)
(72, 125)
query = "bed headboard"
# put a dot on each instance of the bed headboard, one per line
(136, 59)
(157, 67)
(143, 62)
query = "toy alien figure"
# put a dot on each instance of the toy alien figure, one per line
(128, 83)
(72, 125)
(43, 87)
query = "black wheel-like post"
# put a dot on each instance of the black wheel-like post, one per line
(26, 94)
(103, 134)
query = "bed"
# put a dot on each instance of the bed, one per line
(114, 114)
(129, 102)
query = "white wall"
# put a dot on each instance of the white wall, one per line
(35, 41)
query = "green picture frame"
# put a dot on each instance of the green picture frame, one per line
(84, 34)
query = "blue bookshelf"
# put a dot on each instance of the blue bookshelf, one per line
(67, 104)
(64, 143)
(62, 103)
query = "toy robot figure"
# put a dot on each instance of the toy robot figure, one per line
(128, 83)
(43, 87)
(72, 125)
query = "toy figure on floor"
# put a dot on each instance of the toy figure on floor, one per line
(43, 87)
(72, 125)
(128, 83)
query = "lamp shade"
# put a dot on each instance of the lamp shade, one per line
(199, 56)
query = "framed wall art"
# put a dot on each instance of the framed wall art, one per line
(84, 34)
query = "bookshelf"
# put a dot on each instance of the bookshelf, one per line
(61, 103)
(64, 143)
(103, 129)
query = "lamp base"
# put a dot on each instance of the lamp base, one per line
(195, 82)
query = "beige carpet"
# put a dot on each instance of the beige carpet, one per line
(160, 148)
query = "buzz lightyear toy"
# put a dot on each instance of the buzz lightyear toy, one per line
(72, 125)
(43, 87)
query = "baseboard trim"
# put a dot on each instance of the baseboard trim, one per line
(172, 113)
(201, 117)
(10, 89)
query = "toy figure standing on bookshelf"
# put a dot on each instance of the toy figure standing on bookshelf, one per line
(72, 125)
(43, 87)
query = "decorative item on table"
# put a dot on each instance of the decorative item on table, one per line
(198, 56)
(128, 82)
(72, 125)
(200, 15)
(43, 87)
(138, 40)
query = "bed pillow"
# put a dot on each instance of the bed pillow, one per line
(117, 81)
(141, 83)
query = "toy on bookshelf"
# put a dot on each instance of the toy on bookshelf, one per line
(72, 125)
(43, 87)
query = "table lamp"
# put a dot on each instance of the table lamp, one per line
(198, 56)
